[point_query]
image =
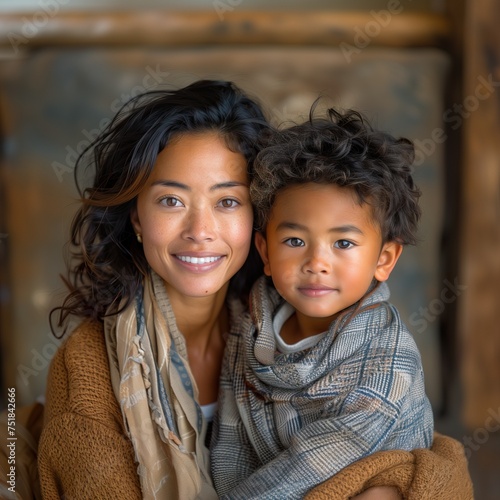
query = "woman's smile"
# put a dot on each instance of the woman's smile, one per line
(199, 263)
(198, 260)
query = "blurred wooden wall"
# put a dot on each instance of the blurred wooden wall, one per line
(479, 271)
(64, 73)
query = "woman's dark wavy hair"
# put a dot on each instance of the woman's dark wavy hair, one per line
(108, 264)
(341, 149)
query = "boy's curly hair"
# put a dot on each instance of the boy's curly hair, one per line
(341, 149)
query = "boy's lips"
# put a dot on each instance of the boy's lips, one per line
(315, 290)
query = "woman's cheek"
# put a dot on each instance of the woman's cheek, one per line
(242, 229)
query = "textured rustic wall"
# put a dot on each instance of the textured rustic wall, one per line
(413, 5)
(54, 100)
(480, 258)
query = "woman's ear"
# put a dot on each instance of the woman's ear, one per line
(261, 244)
(388, 257)
(134, 219)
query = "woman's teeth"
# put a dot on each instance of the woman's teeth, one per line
(198, 260)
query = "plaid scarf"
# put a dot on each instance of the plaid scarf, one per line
(288, 422)
(158, 397)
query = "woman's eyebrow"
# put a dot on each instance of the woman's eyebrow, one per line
(228, 184)
(175, 184)
(185, 187)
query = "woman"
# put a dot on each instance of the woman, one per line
(164, 263)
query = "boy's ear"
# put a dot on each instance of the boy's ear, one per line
(387, 260)
(261, 244)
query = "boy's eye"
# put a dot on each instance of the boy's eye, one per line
(343, 244)
(171, 201)
(294, 242)
(228, 203)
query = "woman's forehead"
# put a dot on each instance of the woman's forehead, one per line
(203, 158)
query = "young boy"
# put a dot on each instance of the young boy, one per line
(323, 372)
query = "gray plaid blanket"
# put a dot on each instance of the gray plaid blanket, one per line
(288, 422)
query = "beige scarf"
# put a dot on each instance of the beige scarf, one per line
(158, 397)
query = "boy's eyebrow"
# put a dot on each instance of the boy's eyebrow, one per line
(348, 228)
(185, 187)
(291, 225)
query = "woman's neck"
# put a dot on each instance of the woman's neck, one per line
(203, 321)
(198, 317)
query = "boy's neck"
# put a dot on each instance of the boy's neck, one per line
(299, 327)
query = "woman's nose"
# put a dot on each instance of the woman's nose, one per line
(200, 226)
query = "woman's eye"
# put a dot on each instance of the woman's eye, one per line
(171, 201)
(343, 244)
(294, 242)
(228, 203)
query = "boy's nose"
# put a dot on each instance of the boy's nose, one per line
(318, 262)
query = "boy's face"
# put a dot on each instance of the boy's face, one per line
(323, 249)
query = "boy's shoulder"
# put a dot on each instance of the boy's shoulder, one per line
(263, 297)
(380, 322)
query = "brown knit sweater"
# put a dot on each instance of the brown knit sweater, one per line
(84, 452)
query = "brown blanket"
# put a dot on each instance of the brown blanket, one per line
(437, 474)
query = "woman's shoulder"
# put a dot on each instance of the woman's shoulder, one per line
(86, 340)
(79, 379)
(84, 351)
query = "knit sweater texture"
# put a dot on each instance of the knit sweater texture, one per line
(83, 451)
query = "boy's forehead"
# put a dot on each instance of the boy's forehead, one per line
(311, 189)
(314, 198)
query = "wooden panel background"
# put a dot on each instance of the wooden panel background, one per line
(479, 311)
(82, 88)
(392, 28)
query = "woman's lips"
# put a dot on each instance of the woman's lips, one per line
(199, 263)
(198, 260)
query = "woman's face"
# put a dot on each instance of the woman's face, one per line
(195, 216)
